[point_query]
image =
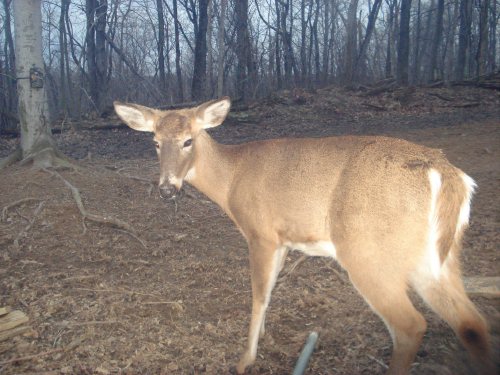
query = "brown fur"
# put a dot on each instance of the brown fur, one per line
(366, 200)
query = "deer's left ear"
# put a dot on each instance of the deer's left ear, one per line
(212, 113)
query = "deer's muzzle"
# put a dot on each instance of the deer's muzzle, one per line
(167, 190)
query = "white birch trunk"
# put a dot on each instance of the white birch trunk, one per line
(33, 109)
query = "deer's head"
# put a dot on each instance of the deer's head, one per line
(175, 134)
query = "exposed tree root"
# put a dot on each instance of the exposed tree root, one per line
(16, 203)
(48, 158)
(30, 224)
(11, 159)
(109, 221)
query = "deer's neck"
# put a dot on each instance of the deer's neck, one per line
(213, 169)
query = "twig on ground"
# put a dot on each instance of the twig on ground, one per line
(292, 268)
(134, 236)
(110, 221)
(336, 272)
(378, 361)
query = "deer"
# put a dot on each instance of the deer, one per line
(390, 212)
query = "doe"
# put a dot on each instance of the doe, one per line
(392, 213)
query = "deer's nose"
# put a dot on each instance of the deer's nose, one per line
(167, 190)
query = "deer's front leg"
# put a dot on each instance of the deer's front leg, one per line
(265, 264)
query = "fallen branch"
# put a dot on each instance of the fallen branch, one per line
(488, 287)
(118, 292)
(5, 335)
(442, 97)
(110, 221)
(71, 346)
(374, 106)
(12, 320)
(88, 323)
(386, 88)
(4, 310)
(16, 203)
(466, 105)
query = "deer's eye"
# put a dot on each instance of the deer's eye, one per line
(188, 143)
(157, 145)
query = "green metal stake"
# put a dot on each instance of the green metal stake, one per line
(303, 360)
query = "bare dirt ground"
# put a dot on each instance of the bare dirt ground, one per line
(176, 298)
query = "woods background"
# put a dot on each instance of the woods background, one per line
(160, 52)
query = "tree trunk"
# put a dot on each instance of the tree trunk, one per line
(90, 6)
(351, 42)
(416, 61)
(492, 66)
(303, 33)
(482, 48)
(101, 55)
(314, 31)
(161, 43)
(326, 42)
(464, 37)
(9, 72)
(220, 45)
(36, 137)
(64, 61)
(404, 43)
(210, 75)
(178, 71)
(436, 41)
(372, 18)
(200, 53)
(242, 47)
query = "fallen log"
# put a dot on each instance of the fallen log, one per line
(488, 287)
(12, 319)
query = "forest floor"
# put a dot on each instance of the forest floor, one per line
(175, 299)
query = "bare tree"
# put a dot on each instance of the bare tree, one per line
(36, 137)
(436, 41)
(464, 38)
(200, 52)
(404, 43)
(351, 41)
(96, 13)
(242, 48)
(220, 44)
(161, 44)
(482, 49)
(178, 70)
(8, 78)
(366, 40)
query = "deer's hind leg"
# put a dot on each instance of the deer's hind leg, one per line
(385, 290)
(446, 296)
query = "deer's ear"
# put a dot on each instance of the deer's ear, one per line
(213, 113)
(136, 116)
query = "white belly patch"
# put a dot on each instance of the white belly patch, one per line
(314, 249)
